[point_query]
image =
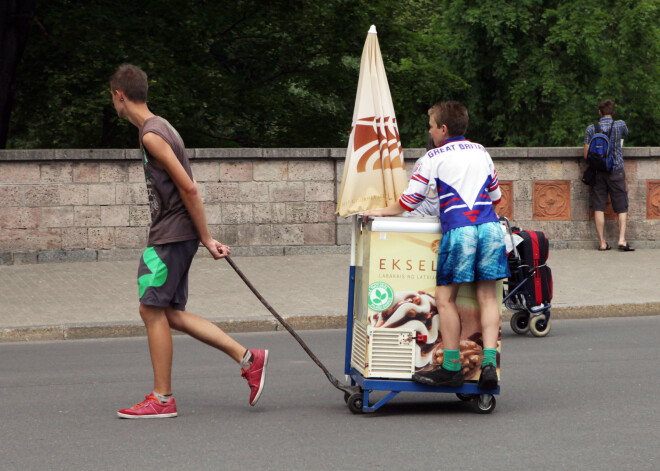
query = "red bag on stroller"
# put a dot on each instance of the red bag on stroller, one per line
(534, 250)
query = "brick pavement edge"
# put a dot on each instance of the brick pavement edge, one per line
(302, 322)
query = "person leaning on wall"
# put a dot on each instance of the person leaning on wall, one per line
(609, 183)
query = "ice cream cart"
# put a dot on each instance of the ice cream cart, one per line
(392, 327)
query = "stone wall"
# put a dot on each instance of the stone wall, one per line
(78, 205)
(542, 191)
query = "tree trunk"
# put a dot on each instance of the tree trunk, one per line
(16, 17)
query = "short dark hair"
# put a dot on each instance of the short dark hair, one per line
(606, 107)
(452, 114)
(131, 80)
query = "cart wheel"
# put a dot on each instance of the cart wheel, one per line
(539, 327)
(464, 397)
(355, 403)
(347, 394)
(484, 403)
(520, 322)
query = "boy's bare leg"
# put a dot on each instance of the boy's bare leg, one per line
(160, 347)
(450, 323)
(205, 331)
(490, 312)
(201, 329)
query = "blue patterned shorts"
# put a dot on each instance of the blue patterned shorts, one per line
(472, 253)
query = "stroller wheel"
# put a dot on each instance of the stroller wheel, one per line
(520, 322)
(539, 326)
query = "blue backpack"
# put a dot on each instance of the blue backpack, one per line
(599, 156)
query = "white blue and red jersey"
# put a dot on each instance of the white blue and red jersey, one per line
(465, 179)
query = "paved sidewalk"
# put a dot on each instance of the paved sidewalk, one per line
(99, 299)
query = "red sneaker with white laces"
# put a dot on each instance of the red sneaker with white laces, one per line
(150, 408)
(256, 374)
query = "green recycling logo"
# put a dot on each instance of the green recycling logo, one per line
(380, 296)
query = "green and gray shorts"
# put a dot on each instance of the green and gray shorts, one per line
(163, 274)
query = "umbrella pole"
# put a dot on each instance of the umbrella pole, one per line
(351, 297)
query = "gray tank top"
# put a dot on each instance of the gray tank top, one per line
(170, 220)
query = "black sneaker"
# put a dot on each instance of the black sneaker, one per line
(488, 378)
(440, 377)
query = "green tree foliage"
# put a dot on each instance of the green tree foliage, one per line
(240, 73)
(537, 69)
(284, 73)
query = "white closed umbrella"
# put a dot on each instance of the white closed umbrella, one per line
(374, 171)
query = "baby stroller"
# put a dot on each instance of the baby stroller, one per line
(528, 290)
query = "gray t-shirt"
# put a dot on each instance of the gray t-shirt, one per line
(170, 220)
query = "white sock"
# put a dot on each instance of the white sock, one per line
(162, 398)
(246, 361)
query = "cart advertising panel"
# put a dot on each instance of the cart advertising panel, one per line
(396, 324)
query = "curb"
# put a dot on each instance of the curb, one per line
(137, 329)
(606, 310)
(302, 322)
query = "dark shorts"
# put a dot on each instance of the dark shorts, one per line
(613, 184)
(163, 274)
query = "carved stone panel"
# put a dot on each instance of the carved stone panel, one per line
(505, 208)
(653, 199)
(552, 200)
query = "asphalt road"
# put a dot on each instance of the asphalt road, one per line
(585, 397)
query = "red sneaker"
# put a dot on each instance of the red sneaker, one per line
(150, 408)
(256, 374)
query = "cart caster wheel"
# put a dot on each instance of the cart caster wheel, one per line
(464, 397)
(520, 322)
(483, 403)
(539, 327)
(355, 402)
(347, 394)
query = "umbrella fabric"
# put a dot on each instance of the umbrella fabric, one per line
(374, 171)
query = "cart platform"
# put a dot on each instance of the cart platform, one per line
(482, 401)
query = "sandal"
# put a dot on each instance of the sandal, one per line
(607, 247)
(626, 248)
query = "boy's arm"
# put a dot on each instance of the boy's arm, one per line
(412, 197)
(165, 158)
(494, 190)
(392, 210)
